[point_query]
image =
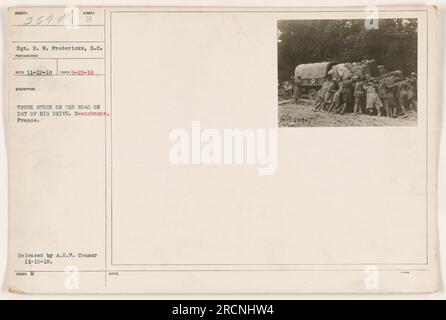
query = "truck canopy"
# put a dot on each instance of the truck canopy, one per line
(313, 70)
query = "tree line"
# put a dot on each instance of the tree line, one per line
(393, 43)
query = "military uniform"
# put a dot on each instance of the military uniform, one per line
(382, 94)
(346, 94)
(296, 89)
(320, 96)
(404, 95)
(372, 99)
(330, 94)
(358, 93)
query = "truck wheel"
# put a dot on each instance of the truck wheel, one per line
(312, 94)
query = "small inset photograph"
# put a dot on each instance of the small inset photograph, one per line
(347, 73)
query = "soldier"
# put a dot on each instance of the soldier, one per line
(320, 96)
(382, 93)
(391, 98)
(412, 80)
(289, 87)
(372, 99)
(393, 91)
(404, 95)
(296, 89)
(358, 94)
(346, 94)
(329, 96)
(336, 100)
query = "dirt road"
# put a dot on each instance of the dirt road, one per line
(302, 115)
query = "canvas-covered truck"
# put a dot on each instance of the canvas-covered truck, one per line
(312, 76)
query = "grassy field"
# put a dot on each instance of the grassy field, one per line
(302, 115)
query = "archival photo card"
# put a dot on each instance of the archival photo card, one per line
(204, 150)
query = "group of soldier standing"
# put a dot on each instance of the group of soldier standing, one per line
(370, 95)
